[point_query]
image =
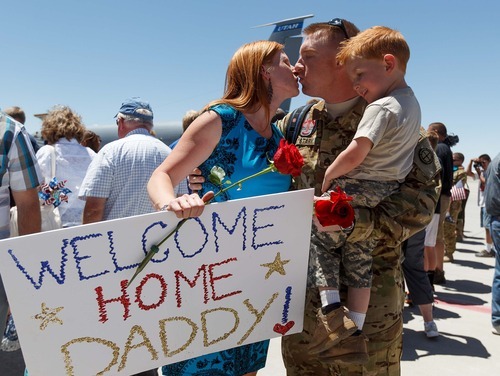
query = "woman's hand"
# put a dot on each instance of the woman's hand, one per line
(188, 206)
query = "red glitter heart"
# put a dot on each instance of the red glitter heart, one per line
(283, 329)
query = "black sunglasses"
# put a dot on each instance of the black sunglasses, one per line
(337, 22)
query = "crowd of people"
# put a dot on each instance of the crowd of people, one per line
(363, 133)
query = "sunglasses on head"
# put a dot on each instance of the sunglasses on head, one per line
(337, 22)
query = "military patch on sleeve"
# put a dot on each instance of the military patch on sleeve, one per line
(307, 127)
(425, 159)
(425, 155)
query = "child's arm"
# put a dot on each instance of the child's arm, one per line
(349, 159)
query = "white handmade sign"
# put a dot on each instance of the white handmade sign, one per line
(235, 275)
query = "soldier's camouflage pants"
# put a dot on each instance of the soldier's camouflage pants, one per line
(383, 325)
(450, 228)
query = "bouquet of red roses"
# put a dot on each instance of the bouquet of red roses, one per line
(335, 211)
(287, 161)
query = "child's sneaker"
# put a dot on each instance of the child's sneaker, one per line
(331, 328)
(431, 330)
(351, 350)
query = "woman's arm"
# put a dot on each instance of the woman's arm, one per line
(194, 147)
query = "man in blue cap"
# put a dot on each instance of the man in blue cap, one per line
(115, 183)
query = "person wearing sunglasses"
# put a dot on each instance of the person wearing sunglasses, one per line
(327, 129)
(371, 168)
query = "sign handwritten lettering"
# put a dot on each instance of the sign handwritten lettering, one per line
(233, 276)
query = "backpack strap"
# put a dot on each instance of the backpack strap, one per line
(294, 122)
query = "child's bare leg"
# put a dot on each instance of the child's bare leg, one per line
(357, 303)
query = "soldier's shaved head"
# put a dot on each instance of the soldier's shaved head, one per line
(440, 129)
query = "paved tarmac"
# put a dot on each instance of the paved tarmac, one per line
(462, 312)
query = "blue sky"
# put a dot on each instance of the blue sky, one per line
(91, 55)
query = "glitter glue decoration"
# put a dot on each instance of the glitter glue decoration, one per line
(137, 329)
(283, 329)
(48, 315)
(285, 325)
(124, 299)
(276, 266)
(206, 342)
(163, 335)
(259, 316)
(68, 364)
(286, 306)
(161, 299)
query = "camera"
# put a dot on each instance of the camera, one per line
(451, 140)
(477, 165)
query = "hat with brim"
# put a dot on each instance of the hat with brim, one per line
(136, 107)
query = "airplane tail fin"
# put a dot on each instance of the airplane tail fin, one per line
(288, 32)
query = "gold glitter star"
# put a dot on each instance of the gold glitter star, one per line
(276, 266)
(48, 315)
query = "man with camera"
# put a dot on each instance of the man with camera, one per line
(476, 169)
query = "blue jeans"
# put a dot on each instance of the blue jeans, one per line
(495, 288)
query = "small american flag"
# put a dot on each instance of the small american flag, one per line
(458, 192)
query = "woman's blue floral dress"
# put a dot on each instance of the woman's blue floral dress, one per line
(241, 152)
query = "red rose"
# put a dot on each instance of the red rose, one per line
(336, 211)
(288, 159)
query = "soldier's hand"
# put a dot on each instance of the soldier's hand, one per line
(195, 180)
(330, 229)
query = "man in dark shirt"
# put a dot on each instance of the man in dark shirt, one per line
(445, 156)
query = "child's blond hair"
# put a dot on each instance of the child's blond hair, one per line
(374, 43)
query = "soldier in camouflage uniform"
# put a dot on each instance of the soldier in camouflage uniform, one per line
(326, 131)
(450, 224)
